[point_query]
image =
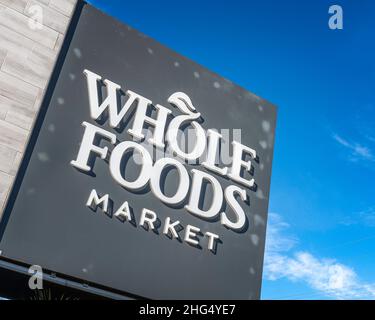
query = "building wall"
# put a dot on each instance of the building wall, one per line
(31, 33)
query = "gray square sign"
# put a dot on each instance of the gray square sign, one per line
(110, 193)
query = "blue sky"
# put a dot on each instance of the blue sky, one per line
(321, 231)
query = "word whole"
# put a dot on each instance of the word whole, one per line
(164, 135)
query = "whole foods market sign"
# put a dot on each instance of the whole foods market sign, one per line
(152, 171)
(149, 174)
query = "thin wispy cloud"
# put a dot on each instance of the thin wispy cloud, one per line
(357, 150)
(277, 240)
(323, 275)
(368, 216)
(370, 138)
(365, 217)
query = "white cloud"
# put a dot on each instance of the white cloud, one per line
(326, 276)
(365, 217)
(357, 151)
(368, 216)
(277, 241)
(370, 138)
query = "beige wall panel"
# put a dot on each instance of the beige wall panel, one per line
(27, 58)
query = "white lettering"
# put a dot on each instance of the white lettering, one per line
(87, 146)
(115, 165)
(94, 201)
(239, 150)
(148, 217)
(196, 190)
